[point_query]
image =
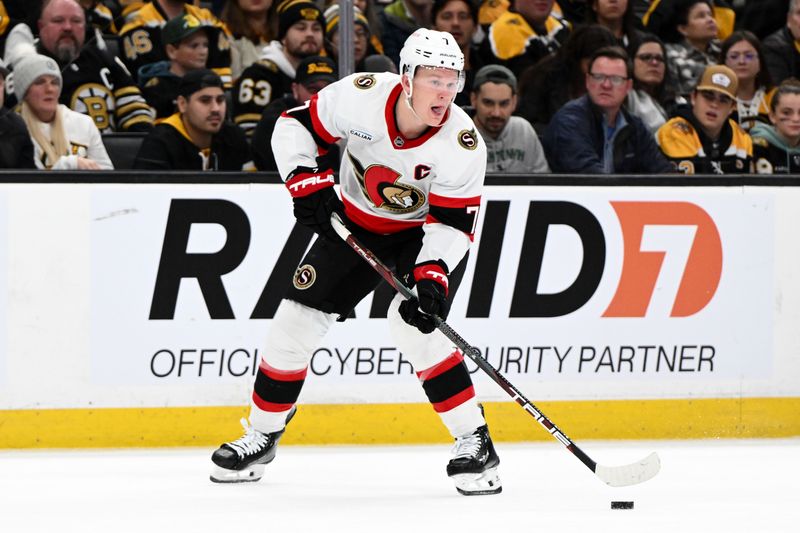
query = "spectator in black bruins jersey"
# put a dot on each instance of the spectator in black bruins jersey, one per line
(776, 148)
(196, 137)
(94, 83)
(530, 31)
(142, 43)
(704, 139)
(62, 139)
(313, 74)
(186, 42)
(301, 30)
(16, 148)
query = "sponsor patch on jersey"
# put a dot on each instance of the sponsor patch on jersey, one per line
(366, 81)
(468, 139)
(304, 277)
(381, 185)
(361, 134)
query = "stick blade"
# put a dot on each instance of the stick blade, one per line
(632, 474)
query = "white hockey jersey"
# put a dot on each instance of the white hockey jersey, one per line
(389, 183)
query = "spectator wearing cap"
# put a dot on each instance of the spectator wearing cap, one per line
(62, 139)
(186, 42)
(399, 20)
(459, 18)
(594, 134)
(704, 139)
(196, 137)
(313, 74)
(511, 143)
(301, 30)
(143, 44)
(94, 83)
(16, 148)
(364, 43)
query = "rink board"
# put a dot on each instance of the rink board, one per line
(636, 312)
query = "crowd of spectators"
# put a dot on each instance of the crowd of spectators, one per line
(563, 86)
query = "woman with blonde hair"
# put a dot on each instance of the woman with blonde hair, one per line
(62, 139)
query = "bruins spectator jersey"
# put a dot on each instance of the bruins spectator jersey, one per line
(692, 152)
(141, 39)
(99, 85)
(515, 42)
(266, 80)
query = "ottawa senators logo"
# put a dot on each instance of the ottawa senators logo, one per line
(365, 82)
(380, 185)
(468, 139)
(304, 277)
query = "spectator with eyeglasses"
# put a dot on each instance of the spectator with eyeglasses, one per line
(704, 139)
(742, 53)
(595, 134)
(651, 98)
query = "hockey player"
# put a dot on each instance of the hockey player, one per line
(411, 180)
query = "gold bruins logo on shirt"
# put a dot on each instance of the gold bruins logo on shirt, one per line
(468, 139)
(304, 277)
(95, 100)
(365, 82)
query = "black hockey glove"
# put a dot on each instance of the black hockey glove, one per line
(431, 282)
(315, 199)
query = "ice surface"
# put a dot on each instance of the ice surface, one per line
(704, 486)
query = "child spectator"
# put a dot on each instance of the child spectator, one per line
(776, 147)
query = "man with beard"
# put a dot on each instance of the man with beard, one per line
(511, 142)
(142, 43)
(196, 137)
(94, 83)
(301, 29)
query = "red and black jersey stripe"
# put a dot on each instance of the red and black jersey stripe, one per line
(277, 390)
(447, 384)
(459, 213)
(308, 117)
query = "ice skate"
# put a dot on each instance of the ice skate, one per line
(244, 459)
(473, 467)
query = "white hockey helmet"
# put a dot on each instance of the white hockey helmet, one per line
(431, 48)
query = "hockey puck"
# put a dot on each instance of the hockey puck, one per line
(622, 505)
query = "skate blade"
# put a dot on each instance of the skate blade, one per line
(487, 482)
(247, 475)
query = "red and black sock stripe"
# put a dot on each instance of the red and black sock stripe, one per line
(447, 384)
(277, 390)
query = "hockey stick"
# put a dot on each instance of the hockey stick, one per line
(615, 476)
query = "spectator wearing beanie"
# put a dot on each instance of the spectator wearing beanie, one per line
(62, 139)
(186, 43)
(364, 42)
(301, 30)
(16, 150)
(196, 137)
